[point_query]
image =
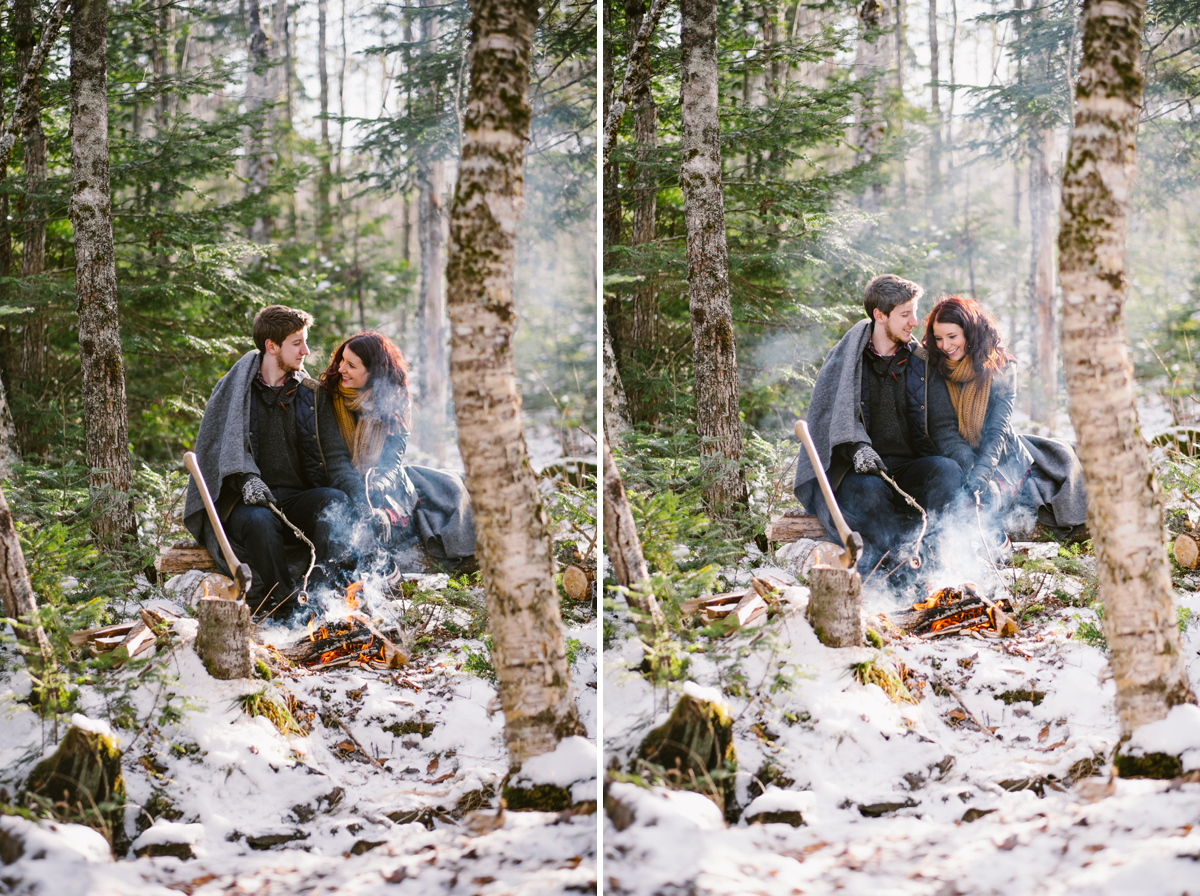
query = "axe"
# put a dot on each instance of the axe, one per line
(852, 540)
(241, 571)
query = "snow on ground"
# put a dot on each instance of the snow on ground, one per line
(392, 790)
(908, 799)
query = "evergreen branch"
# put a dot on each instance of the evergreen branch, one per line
(29, 80)
(641, 44)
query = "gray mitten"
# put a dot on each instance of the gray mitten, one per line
(255, 492)
(867, 460)
(381, 526)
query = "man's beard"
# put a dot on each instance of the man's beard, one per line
(897, 337)
(286, 368)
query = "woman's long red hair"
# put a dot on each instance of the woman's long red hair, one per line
(385, 363)
(980, 328)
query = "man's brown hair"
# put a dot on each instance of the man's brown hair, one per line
(277, 323)
(886, 291)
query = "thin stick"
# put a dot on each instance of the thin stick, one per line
(982, 534)
(876, 567)
(916, 560)
(970, 715)
(375, 762)
(304, 538)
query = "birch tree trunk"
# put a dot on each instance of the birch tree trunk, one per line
(1041, 213)
(325, 178)
(16, 594)
(431, 308)
(935, 104)
(514, 535)
(105, 425)
(616, 405)
(259, 158)
(612, 199)
(1124, 508)
(33, 253)
(279, 92)
(714, 351)
(624, 550)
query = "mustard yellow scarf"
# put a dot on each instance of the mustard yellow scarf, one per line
(362, 431)
(969, 395)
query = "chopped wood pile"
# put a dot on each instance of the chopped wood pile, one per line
(126, 640)
(744, 605)
(952, 611)
(352, 641)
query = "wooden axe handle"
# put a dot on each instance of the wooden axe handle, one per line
(193, 467)
(823, 480)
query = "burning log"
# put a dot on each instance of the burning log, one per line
(953, 610)
(352, 640)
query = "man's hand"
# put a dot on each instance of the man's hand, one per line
(381, 525)
(255, 492)
(867, 460)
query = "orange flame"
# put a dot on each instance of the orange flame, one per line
(352, 594)
(311, 636)
(206, 589)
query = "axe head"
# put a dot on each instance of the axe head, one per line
(243, 578)
(854, 550)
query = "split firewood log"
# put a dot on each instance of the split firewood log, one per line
(181, 557)
(794, 525)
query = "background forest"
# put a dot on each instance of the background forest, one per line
(927, 140)
(301, 153)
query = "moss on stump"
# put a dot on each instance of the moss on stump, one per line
(694, 748)
(536, 798)
(1148, 765)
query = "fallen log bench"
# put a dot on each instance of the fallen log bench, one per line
(183, 556)
(794, 524)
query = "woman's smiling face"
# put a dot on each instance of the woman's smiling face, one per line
(950, 339)
(354, 374)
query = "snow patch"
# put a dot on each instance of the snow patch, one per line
(574, 759)
(1176, 735)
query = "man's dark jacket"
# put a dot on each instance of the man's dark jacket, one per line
(227, 445)
(838, 416)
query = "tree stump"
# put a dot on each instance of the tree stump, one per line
(224, 638)
(695, 746)
(84, 775)
(835, 607)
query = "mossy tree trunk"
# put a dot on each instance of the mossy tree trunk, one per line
(1124, 507)
(694, 748)
(259, 157)
(714, 353)
(105, 425)
(33, 140)
(514, 532)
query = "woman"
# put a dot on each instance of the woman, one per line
(367, 382)
(963, 342)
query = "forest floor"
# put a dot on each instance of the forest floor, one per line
(900, 797)
(389, 785)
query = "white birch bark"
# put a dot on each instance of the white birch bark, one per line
(105, 425)
(1124, 507)
(1041, 213)
(514, 536)
(713, 348)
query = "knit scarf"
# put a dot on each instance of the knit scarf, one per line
(969, 395)
(361, 429)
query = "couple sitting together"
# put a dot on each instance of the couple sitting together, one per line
(279, 450)
(936, 416)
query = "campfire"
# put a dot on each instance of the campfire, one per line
(950, 611)
(354, 639)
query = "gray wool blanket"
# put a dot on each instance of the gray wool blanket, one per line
(832, 420)
(442, 518)
(223, 445)
(1055, 485)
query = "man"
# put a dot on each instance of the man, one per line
(874, 409)
(269, 437)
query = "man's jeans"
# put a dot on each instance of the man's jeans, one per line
(884, 520)
(258, 537)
